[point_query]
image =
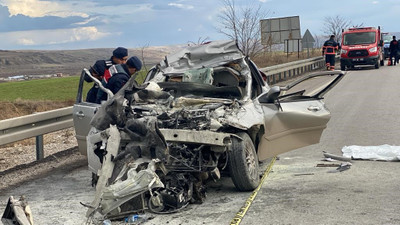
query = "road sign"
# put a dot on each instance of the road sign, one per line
(308, 40)
(277, 30)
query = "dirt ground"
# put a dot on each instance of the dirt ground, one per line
(18, 163)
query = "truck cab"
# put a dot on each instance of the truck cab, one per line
(361, 46)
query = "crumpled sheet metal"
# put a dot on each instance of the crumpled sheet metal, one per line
(217, 53)
(17, 212)
(136, 183)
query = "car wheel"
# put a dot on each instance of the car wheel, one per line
(382, 63)
(243, 163)
(377, 65)
(342, 67)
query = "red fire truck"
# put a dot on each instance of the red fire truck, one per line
(361, 46)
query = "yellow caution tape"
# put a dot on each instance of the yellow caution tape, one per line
(242, 211)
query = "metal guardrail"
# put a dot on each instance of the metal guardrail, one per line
(284, 71)
(35, 125)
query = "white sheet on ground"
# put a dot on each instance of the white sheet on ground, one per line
(382, 152)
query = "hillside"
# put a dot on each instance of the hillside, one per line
(68, 62)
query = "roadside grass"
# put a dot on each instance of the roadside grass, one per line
(20, 98)
(54, 89)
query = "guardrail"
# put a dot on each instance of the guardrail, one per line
(284, 71)
(35, 125)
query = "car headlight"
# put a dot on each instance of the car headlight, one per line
(342, 51)
(374, 49)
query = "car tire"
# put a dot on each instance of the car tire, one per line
(342, 67)
(382, 63)
(243, 163)
(377, 65)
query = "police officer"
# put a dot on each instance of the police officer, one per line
(120, 56)
(97, 71)
(393, 48)
(120, 74)
(329, 50)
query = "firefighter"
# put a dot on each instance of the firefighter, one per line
(329, 50)
(393, 48)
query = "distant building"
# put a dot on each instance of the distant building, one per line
(18, 77)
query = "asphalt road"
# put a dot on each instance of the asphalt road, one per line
(365, 111)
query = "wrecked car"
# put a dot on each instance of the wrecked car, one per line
(201, 110)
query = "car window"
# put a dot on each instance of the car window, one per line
(310, 87)
(257, 80)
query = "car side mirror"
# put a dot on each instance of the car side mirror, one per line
(271, 96)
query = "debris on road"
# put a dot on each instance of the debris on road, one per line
(342, 167)
(17, 212)
(328, 165)
(336, 157)
(303, 174)
(379, 153)
(329, 160)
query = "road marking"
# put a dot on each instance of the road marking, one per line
(243, 210)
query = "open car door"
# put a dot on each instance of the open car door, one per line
(296, 116)
(83, 112)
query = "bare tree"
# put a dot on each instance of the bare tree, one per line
(200, 41)
(334, 25)
(142, 50)
(242, 25)
(318, 42)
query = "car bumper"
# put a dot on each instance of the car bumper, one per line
(359, 61)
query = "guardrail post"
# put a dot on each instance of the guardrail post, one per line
(39, 147)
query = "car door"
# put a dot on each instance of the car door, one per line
(83, 113)
(298, 116)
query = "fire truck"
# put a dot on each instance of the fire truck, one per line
(361, 46)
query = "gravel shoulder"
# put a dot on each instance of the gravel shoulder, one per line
(18, 163)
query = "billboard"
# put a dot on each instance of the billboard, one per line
(277, 30)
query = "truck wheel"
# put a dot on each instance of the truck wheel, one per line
(243, 163)
(377, 65)
(342, 67)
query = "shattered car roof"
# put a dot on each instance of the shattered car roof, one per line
(212, 54)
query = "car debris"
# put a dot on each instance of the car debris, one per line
(329, 157)
(17, 212)
(342, 167)
(302, 174)
(199, 112)
(328, 165)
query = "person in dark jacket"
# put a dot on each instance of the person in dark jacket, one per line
(120, 56)
(393, 48)
(97, 71)
(329, 50)
(122, 73)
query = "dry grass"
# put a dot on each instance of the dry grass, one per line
(17, 108)
(11, 109)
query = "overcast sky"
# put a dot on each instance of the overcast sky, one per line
(76, 24)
